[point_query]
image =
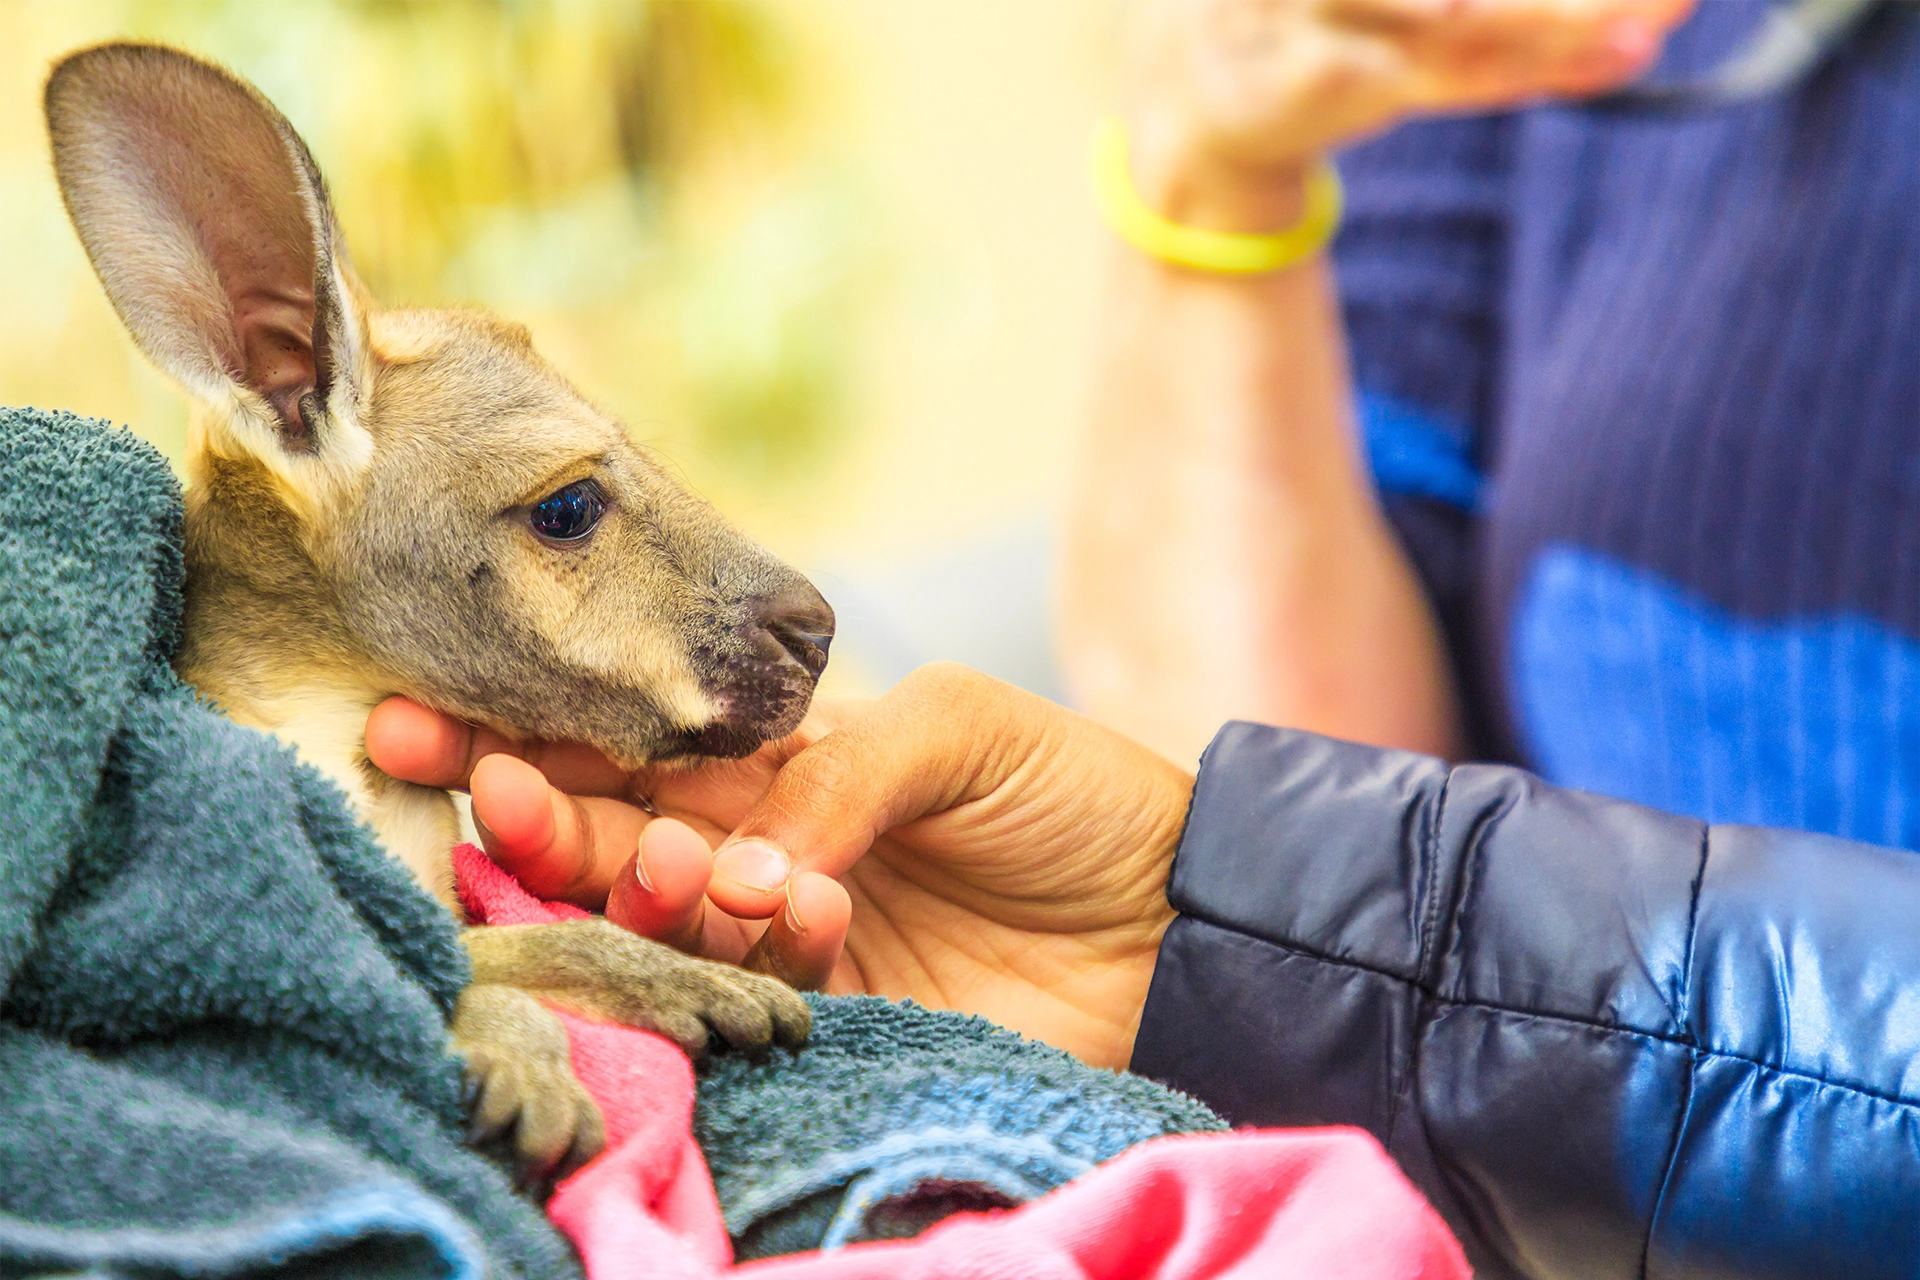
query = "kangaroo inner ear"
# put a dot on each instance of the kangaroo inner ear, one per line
(208, 223)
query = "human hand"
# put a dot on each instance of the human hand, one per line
(958, 841)
(1233, 99)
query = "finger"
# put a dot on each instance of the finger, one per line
(1537, 24)
(1490, 76)
(1606, 68)
(417, 744)
(1491, 52)
(661, 894)
(941, 736)
(560, 847)
(412, 743)
(803, 943)
(1387, 17)
(1545, 33)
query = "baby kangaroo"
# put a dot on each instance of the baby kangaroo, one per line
(408, 501)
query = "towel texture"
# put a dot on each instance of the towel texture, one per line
(895, 1116)
(222, 1035)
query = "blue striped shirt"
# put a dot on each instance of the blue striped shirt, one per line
(1643, 398)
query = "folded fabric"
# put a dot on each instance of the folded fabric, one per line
(1251, 1205)
(894, 1118)
(222, 1034)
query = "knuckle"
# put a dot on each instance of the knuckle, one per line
(826, 774)
(580, 863)
(818, 782)
(944, 679)
(952, 694)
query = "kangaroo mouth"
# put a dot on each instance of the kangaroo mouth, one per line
(756, 706)
(729, 738)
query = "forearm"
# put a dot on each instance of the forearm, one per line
(1226, 557)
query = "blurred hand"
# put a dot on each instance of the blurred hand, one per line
(959, 842)
(1232, 99)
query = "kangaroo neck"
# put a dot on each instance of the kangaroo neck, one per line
(263, 639)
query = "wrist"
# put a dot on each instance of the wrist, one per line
(1182, 181)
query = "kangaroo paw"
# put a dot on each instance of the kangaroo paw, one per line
(608, 972)
(525, 1107)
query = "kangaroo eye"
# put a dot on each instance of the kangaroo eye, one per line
(568, 514)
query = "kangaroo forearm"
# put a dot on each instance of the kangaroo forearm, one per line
(1226, 555)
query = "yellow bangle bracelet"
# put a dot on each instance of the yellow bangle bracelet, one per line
(1219, 252)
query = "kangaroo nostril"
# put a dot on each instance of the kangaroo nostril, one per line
(799, 643)
(801, 622)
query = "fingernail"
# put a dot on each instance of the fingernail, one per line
(793, 911)
(640, 867)
(753, 863)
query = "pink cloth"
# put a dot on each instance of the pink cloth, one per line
(1323, 1203)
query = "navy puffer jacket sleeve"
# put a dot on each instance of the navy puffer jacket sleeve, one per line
(1605, 1041)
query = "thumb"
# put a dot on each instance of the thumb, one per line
(941, 737)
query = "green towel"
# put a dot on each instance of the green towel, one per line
(894, 1116)
(223, 1034)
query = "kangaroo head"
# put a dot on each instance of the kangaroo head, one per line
(403, 501)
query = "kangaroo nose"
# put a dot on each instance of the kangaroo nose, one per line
(801, 622)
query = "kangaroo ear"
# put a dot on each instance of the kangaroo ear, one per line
(208, 223)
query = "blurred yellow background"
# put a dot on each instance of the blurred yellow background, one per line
(833, 259)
